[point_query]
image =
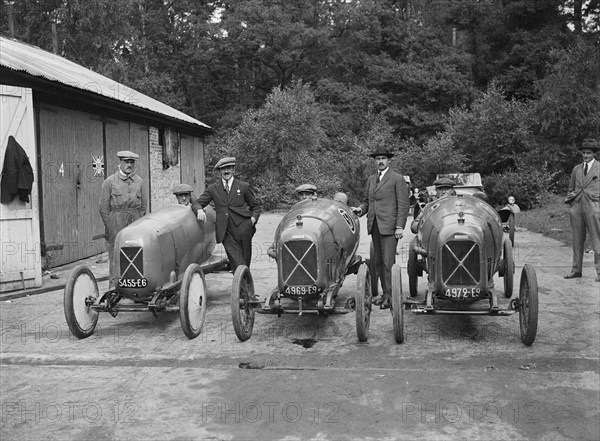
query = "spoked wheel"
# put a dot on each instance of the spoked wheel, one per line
(413, 272)
(192, 301)
(81, 291)
(511, 228)
(373, 272)
(509, 268)
(528, 299)
(397, 304)
(242, 293)
(363, 303)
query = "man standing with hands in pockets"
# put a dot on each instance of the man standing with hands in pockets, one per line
(237, 213)
(387, 204)
(583, 197)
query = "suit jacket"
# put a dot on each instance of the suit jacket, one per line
(239, 205)
(587, 186)
(387, 201)
(17, 173)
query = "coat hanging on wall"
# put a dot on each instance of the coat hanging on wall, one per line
(17, 174)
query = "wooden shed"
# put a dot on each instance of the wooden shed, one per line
(71, 122)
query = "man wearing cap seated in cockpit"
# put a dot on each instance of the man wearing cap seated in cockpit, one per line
(444, 187)
(306, 191)
(183, 193)
(123, 201)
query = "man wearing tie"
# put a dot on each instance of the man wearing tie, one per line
(387, 204)
(583, 198)
(237, 213)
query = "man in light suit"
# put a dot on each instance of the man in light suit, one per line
(237, 213)
(583, 198)
(387, 205)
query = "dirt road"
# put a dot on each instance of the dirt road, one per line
(139, 377)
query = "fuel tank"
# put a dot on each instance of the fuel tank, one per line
(462, 236)
(315, 242)
(162, 242)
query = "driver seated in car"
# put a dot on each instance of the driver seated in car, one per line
(444, 187)
(306, 191)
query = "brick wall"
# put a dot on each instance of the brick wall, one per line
(161, 180)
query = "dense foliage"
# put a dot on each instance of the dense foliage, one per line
(302, 91)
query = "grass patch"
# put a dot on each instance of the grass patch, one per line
(551, 219)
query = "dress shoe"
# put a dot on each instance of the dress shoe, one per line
(377, 302)
(386, 303)
(573, 276)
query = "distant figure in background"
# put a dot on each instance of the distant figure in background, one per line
(341, 197)
(306, 191)
(512, 205)
(122, 202)
(583, 197)
(183, 193)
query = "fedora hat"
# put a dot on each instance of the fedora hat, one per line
(590, 143)
(381, 151)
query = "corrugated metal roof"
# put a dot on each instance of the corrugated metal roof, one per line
(34, 61)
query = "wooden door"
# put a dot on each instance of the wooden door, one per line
(73, 169)
(20, 258)
(192, 163)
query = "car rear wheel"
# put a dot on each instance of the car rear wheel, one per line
(363, 303)
(509, 268)
(397, 304)
(528, 300)
(81, 291)
(192, 301)
(242, 295)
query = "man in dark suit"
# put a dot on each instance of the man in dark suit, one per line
(583, 198)
(237, 213)
(387, 205)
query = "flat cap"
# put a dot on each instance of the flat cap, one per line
(444, 182)
(381, 151)
(126, 154)
(182, 188)
(590, 143)
(309, 188)
(225, 162)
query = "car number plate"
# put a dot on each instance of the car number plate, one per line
(133, 283)
(462, 292)
(301, 290)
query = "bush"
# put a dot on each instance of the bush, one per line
(528, 186)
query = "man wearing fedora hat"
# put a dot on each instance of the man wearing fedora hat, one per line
(237, 213)
(386, 204)
(583, 197)
(122, 202)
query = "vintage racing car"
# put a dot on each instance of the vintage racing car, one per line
(315, 249)
(460, 244)
(160, 261)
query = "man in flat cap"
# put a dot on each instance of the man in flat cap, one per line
(183, 193)
(387, 205)
(306, 191)
(237, 213)
(583, 197)
(444, 187)
(122, 202)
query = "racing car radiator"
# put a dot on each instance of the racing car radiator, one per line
(460, 263)
(299, 263)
